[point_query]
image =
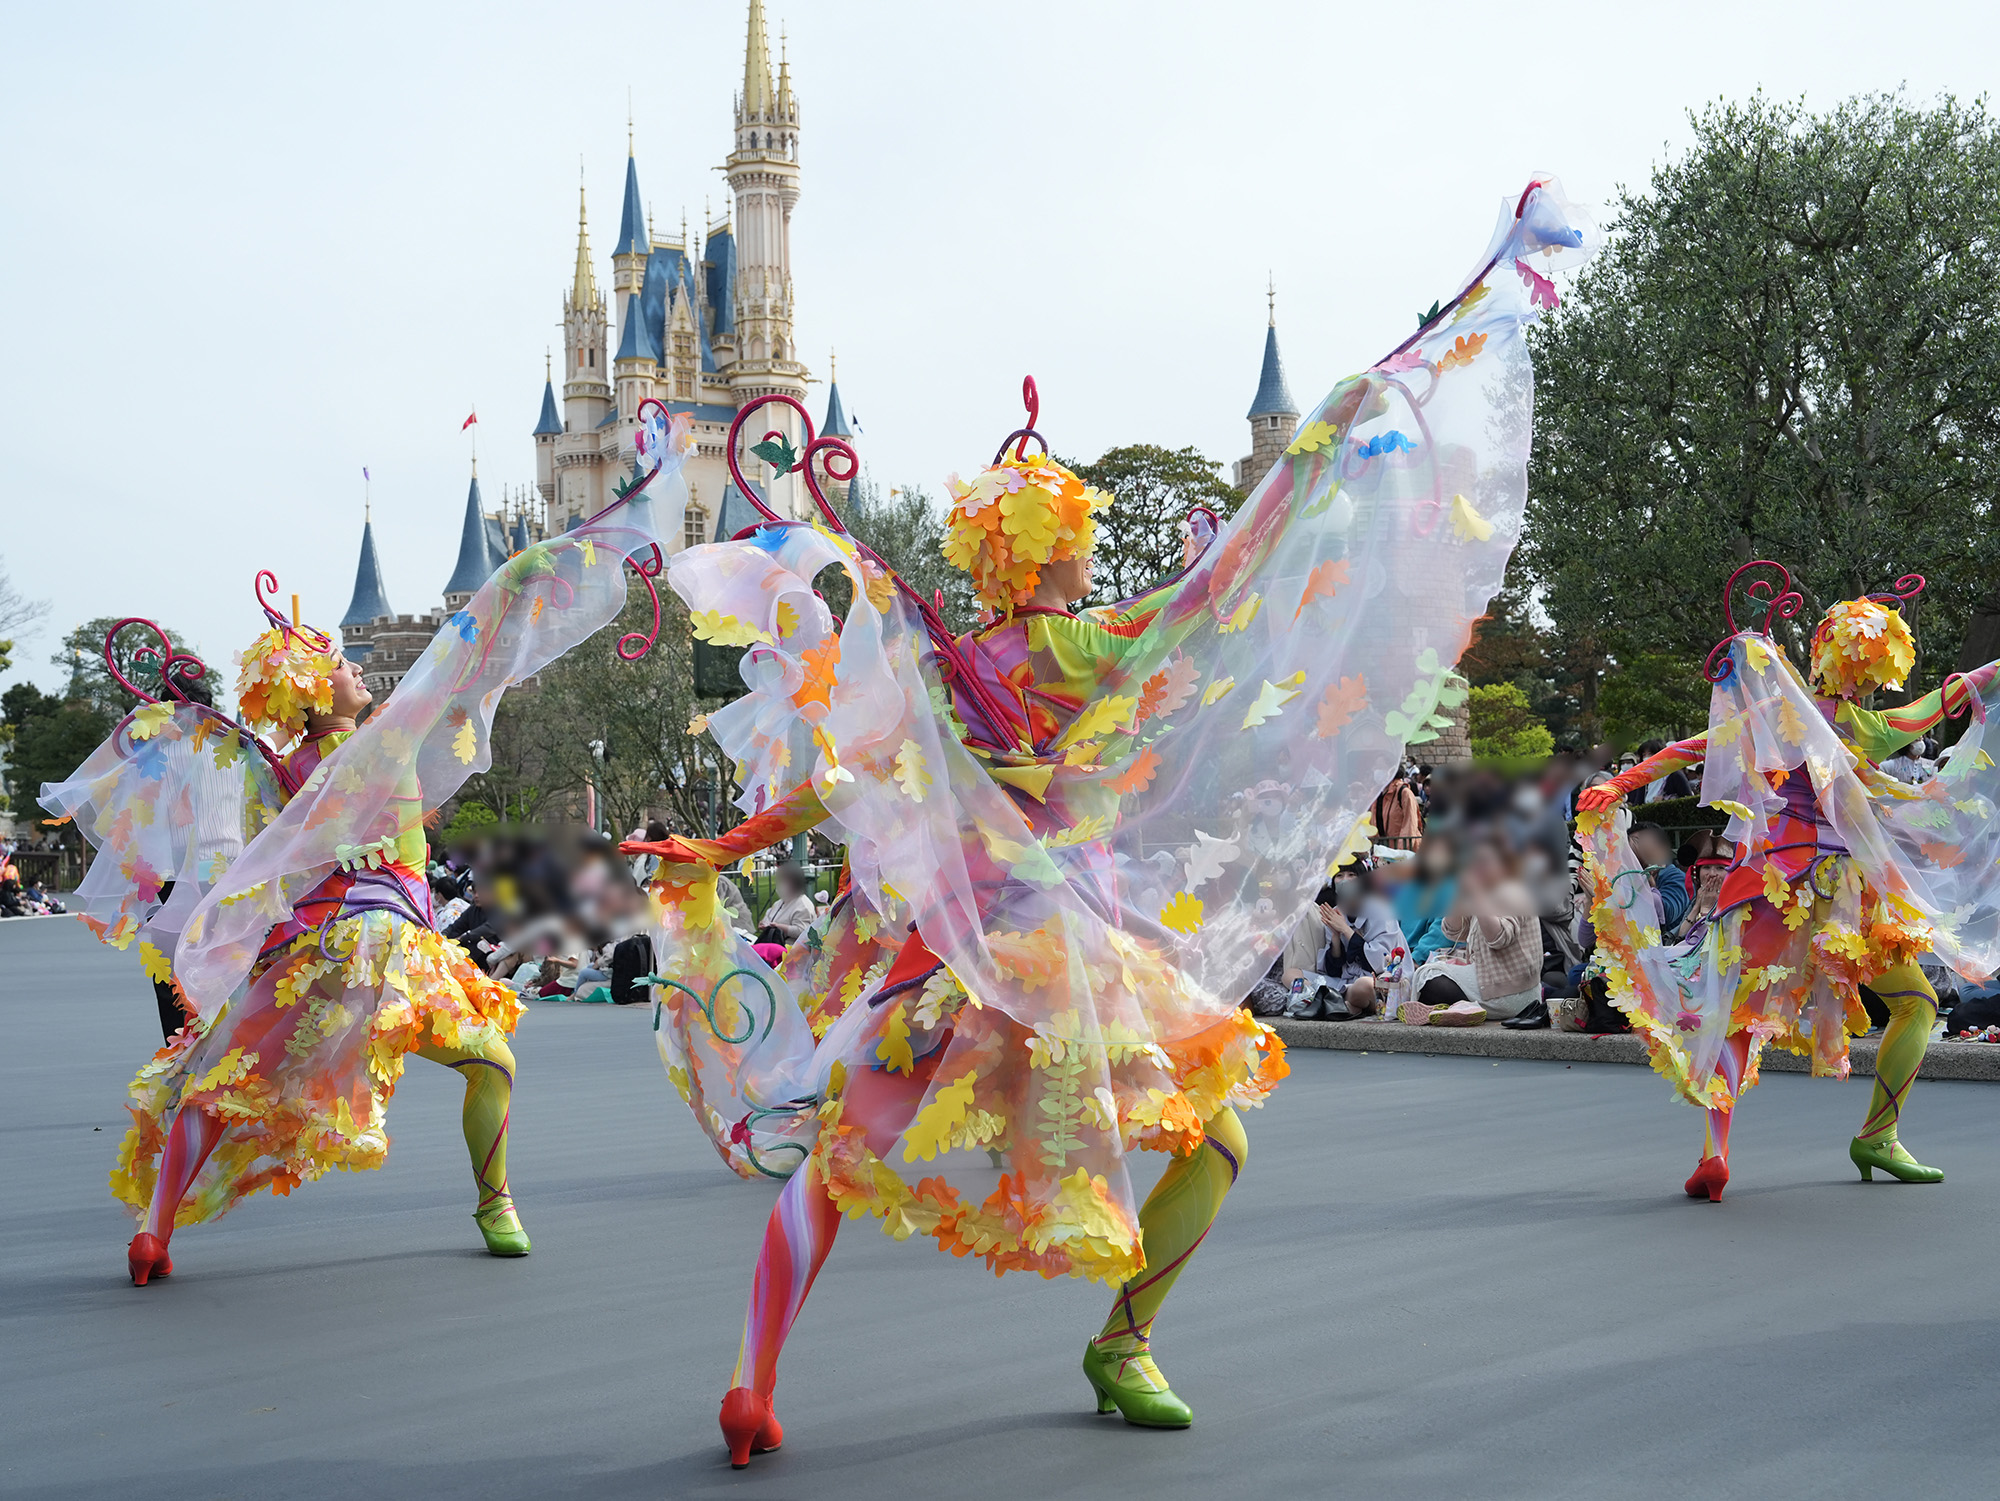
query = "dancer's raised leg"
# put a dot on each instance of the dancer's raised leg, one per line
(1912, 1010)
(1712, 1173)
(1172, 1222)
(190, 1139)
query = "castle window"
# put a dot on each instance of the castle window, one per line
(767, 140)
(694, 529)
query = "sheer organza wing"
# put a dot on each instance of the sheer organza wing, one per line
(417, 749)
(170, 798)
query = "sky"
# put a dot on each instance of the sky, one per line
(250, 249)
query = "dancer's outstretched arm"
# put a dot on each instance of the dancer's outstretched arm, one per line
(793, 814)
(1677, 757)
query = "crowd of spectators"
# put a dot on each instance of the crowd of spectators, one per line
(21, 896)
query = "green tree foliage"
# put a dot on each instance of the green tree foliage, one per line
(82, 655)
(1506, 736)
(18, 613)
(1656, 695)
(47, 739)
(470, 818)
(1789, 349)
(1139, 538)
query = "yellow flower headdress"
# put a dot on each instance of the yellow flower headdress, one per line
(1861, 645)
(286, 673)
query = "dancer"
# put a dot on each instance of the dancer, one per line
(168, 800)
(312, 963)
(1008, 969)
(1841, 877)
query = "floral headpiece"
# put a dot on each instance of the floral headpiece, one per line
(1019, 514)
(286, 673)
(1861, 645)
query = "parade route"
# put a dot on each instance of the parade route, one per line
(1439, 1277)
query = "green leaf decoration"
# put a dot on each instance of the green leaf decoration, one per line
(778, 453)
(1424, 320)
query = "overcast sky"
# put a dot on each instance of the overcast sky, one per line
(250, 249)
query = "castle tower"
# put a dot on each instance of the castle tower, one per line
(586, 376)
(763, 172)
(548, 428)
(1274, 416)
(836, 426)
(370, 602)
(475, 552)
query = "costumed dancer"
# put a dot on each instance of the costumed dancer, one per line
(167, 802)
(1842, 876)
(312, 964)
(1010, 968)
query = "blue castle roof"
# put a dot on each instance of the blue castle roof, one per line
(371, 600)
(653, 294)
(1274, 399)
(836, 415)
(721, 264)
(475, 554)
(635, 342)
(632, 219)
(550, 420)
(736, 514)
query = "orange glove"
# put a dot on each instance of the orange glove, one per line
(1604, 795)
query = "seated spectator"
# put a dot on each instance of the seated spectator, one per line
(1655, 855)
(1497, 962)
(1397, 816)
(1358, 931)
(1423, 900)
(792, 912)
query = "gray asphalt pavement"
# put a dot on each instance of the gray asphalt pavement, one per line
(1439, 1277)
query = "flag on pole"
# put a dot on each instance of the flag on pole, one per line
(364, 471)
(470, 420)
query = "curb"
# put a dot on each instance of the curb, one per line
(1979, 1061)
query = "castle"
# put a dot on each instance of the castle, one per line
(704, 326)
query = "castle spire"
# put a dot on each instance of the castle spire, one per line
(757, 89)
(370, 601)
(784, 78)
(583, 293)
(632, 236)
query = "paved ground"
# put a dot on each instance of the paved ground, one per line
(1441, 1277)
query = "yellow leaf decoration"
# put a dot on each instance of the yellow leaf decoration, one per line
(938, 1122)
(788, 617)
(1790, 723)
(697, 724)
(589, 553)
(465, 743)
(894, 1048)
(1467, 524)
(1114, 712)
(158, 967)
(911, 773)
(726, 630)
(1734, 808)
(1757, 654)
(1183, 913)
(1242, 615)
(1314, 436)
(147, 720)
(1217, 690)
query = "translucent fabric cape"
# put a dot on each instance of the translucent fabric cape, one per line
(1922, 872)
(173, 794)
(1307, 646)
(436, 728)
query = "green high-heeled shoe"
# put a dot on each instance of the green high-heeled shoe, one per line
(1131, 1384)
(501, 1227)
(1893, 1159)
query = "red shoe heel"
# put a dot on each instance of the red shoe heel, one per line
(1708, 1180)
(147, 1257)
(749, 1426)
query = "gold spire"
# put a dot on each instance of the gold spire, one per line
(628, 119)
(1271, 296)
(757, 66)
(583, 292)
(832, 367)
(784, 77)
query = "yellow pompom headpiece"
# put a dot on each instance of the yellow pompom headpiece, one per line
(1861, 645)
(1019, 514)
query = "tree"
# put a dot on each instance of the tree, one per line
(47, 739)
(1655, 696)
(1139, 538)
(83, 655)
(1506, 736)
(1789, 349)
(17, 613)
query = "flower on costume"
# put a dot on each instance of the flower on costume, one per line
(283, 677)
(1861, 645)
(1012, 519)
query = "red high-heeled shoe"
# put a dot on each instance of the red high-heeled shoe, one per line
(147, 1257)
(749, 1426)
(1709, 1178)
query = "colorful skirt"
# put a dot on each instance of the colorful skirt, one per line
(299, 1065)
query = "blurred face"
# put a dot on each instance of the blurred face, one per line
(1436, 857)
(350, 694)
(1650, 846)
(1483, 868)
(790, 882)
(1347, 896)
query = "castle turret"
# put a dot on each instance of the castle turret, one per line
(573, 476)
(548, 428)
(475, 552)
(1274, 416)
(370, 602)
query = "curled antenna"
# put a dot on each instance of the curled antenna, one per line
(1785, 602)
